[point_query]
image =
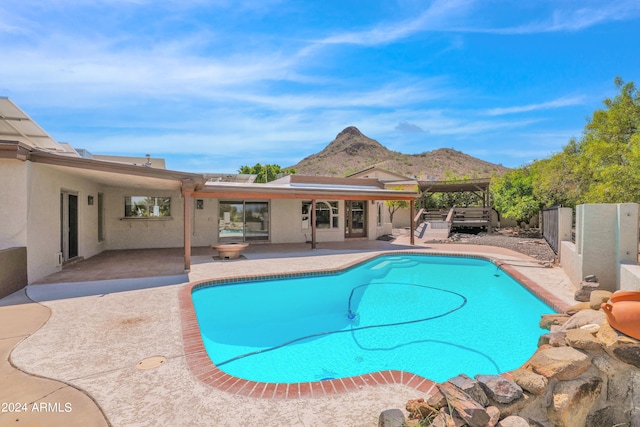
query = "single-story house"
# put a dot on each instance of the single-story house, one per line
(58, 204)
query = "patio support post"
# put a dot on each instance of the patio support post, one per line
(312, 217)
(187, 230)
(412, 225)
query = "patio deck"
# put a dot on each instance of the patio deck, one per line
(93, 343)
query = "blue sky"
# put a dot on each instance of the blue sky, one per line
(213, 85)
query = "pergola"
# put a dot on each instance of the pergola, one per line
(474, 186)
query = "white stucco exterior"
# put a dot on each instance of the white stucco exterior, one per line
(13, 204)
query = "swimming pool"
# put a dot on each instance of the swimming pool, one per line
(432, 316)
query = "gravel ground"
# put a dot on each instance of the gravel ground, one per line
(528, 242)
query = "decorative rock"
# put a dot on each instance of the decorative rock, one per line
(515, 407)
(547, 320)
(499, 389)
(573, 401)
(544, 339)
(584, 317)
(597, 298)
(471, 387)
(494, 414)
(418, 408)
(619, 346)
(582, 339)
(513, 421)
(437, 400)
(392, 418)
(557, 339)
(464, 406)
(530, 381)
(591, 278)
(580, 306)
(601, 417)
(584, 293)
(563, 363)
(592, 328)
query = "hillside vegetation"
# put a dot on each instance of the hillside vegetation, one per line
(352, 151)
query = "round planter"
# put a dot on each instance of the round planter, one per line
(625, 296)
(624, 316)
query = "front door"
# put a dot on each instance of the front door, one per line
(355, 218)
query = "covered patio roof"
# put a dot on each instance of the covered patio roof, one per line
(458, 186)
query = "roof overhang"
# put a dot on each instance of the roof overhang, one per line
(301, 191)
(118, 174)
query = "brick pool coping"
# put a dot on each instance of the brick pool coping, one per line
(206, 371)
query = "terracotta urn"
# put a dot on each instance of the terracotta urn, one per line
(624, 316)
(625, 296)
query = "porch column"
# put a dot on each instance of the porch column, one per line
(412, 225)
(187, 230)
(312, 218)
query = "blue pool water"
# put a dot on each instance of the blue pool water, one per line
(433, 316)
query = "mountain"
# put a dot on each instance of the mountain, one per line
(352, 151)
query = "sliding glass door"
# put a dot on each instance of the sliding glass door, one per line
(243, 221)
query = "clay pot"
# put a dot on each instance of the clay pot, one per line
(625, 296)
(624, 316)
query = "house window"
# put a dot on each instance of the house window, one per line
(147, 207)
(379, 216)
(326, 215)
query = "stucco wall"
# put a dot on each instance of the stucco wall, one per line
(204, 223)
(43, 218)
(13, 203)
(571, 261)
(630, 277)
(124, 233)
(606, 237)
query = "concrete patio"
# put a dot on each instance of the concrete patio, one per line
(101, 326)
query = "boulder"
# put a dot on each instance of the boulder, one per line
(619, 346)
(597, 298)
(592, 328)
(557, 339)
(437, 400)
(392, 418)
(530, 381)
(494, 414)
(562, 363)
(544, 339)
(471, 387)
(513, 421)
(591, 278)
(601, 417)
(499, 389)
(580, 306)
(464, 406)
(584, 293)
(584, 317)
(582, 339)
(547, 320)
(573, 401)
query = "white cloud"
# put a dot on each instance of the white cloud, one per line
(556, 103)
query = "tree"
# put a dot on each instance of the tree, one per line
(394, 205)
(265, 173)
(608, 170)
(513, 196)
